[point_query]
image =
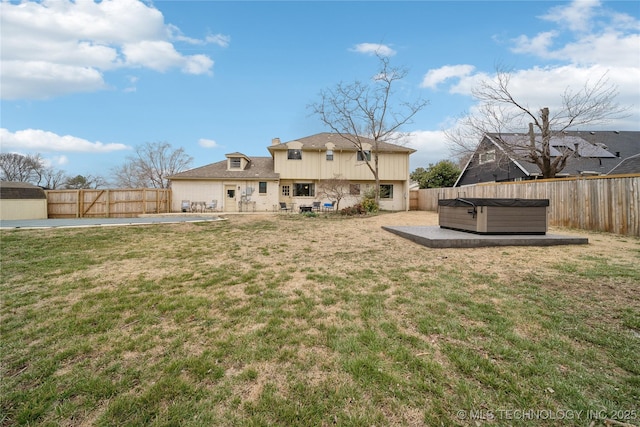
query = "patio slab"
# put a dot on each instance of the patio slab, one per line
(436, 237)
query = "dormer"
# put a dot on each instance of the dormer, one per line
(237, 161)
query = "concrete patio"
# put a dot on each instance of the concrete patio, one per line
(436, 237)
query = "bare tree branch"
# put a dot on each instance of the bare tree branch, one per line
(499, 112)
(364, 112)
(151, 166)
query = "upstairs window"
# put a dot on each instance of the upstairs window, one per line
(487, 157)
(294, 154)
(235, 162)
(262, 187)
(364, 155)
(329, 154)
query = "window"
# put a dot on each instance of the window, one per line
(235, 162)
(304, 190)
(294, 154)
(262, 187)
(354, 189)
(487, 157)
(329, 154)
(386, 191)
(286, 190)
(362, 155)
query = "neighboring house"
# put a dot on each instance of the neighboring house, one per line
(591, 153)
(20, 200)
(293, 175)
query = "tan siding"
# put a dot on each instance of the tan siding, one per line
(12, 209)
(208, 190)
(392, 166)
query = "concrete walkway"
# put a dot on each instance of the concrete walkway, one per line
(103, 222)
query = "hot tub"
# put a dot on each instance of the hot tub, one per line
(494, 216)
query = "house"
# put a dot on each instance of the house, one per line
(20, 200)
(590, 154)
(293, 174)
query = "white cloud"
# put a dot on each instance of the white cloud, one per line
(219, 39)
(610, 50)
(197, 64)
(434, 77)
(155, 54)
(374, 49)
(208, 143)
(60, 160)
(595, 36)
(538, 45)
(54, 47)
(33, 79)
(44, 141)
(431, 146)
(577, 15)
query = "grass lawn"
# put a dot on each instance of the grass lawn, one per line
(301, 321)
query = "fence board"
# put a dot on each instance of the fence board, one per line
(107, 203)
(610, 204)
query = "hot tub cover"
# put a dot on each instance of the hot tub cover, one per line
(464, 201)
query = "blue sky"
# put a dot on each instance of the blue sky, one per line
(83, 83)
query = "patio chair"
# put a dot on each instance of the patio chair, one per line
(212, 206)
(186, 206)
(316, 206)
(283, 207)
(329, 206)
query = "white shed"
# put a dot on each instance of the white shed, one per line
(19, 200)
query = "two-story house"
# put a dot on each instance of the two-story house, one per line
(293, 175)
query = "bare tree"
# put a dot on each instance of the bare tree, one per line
(336, 188)
(364, 112)
(52, 178)
(500, 112)
(152, 163)
(20, 168)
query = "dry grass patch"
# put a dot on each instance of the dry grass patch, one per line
(294, 320)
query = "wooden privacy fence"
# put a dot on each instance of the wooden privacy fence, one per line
(609, 204)
(107, 203)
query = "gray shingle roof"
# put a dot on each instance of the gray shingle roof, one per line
(628, 165)
(20, 190)
(598, 151)
(318, 141)
(258, 168)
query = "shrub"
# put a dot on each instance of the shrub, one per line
(369, 201)
(357, 209)
(370, 205)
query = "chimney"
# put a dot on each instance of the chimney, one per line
(275, 141)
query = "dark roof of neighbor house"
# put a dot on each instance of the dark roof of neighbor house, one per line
(319, 141)
(257, 168)
(596, 151)
(629, 165)
(20, 190)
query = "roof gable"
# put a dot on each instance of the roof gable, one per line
(257, 168)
